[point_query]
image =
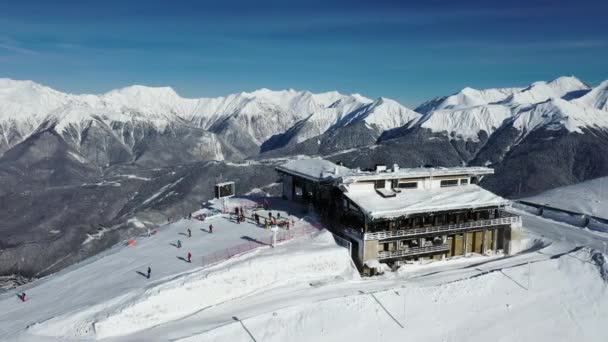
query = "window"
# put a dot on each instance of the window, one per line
(464, 181)
(408, 185)
(380, 184)
(449, 182)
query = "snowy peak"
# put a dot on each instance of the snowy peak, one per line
(467, 97)
(558, 113)
(27, 100)
(143, 94)
(471, 111)
(566, 84)
(383, 114)
(466, 123)
(542, 91)
(596, 98)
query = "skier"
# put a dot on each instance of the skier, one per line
(22, 297)
(279, 216)
(256, 217)
(149, 271)
(189, 233)
(210, 229)
(189, 256)
(149, 234)
(179, 244)
(189, 216)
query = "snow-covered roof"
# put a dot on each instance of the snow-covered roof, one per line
(418, 172)
(315, 169)
(417, 201)
(318, 169)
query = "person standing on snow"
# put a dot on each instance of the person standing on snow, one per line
(189, 256)
(149, 271)
(189, 233)
(210, 229)
(179, 244)
(149, 234)
(22, 297)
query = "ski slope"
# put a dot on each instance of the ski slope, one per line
(307, 289)
(589, 197)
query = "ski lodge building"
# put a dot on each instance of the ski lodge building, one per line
(395, 215)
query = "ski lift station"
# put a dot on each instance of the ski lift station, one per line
(398, 215)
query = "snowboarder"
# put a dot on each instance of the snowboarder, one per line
(189, 256)
(210, 229)
(189, 233)
(179, 244)
(149, 271)
(22, 297)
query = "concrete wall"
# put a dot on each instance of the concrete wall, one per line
(370, 250)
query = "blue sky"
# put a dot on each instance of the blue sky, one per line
(409, 51)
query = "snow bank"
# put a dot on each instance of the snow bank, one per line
(556, 299)
(316, 259)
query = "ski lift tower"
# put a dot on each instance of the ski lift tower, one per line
(223, 191)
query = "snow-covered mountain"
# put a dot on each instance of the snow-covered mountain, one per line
(376, 116)
(155, 127)
(467, 97)
(234, 126)
(469, 112)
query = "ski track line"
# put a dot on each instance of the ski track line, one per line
(386, 310)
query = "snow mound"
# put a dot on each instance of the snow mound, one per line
(562, 301)
(302, 260)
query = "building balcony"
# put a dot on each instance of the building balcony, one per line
(504, 219)
(413, 251)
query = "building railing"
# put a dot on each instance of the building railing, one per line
(505, 218)
(413, 251)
